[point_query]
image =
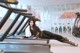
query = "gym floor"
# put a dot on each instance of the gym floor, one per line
(58, 47)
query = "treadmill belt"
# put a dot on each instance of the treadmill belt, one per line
(13, 48)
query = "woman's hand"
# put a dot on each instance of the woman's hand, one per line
(34, 38)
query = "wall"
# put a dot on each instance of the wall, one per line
(50, 14)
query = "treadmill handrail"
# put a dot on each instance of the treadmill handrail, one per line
(23, 13)
(9, 1)
(26, 14)
(33, 17)
(14, 9)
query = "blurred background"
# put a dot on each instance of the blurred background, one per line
(57, 16)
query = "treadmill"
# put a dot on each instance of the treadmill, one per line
(12, 46)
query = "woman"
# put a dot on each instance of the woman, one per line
(36, 32)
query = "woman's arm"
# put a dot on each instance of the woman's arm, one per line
(38, 33)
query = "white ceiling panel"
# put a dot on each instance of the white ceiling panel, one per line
(47, 2)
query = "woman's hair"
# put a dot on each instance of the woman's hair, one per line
(35, 28)
(33, 22)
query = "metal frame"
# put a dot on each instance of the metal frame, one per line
(18, 25)
(26, 23)
(76, 29)
(5, 18)
(10, 10)
(9, 28)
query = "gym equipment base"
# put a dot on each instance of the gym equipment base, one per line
(13, 47)
(30, 41)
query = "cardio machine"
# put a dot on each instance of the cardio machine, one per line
(76, 27)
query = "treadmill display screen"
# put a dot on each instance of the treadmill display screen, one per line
(9, 1)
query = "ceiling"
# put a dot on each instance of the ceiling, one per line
(52, 5)
(47, 2)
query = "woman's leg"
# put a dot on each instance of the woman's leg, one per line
(58, 37)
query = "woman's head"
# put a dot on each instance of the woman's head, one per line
(32, 23)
